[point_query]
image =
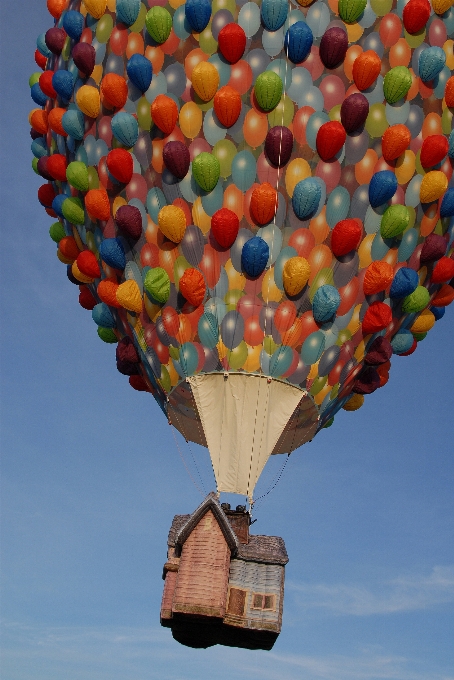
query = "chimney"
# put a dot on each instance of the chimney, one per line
(239, 520)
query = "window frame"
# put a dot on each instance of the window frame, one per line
(262, 608)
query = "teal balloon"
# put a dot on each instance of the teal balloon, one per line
(208, 330)
(313, 347)
(216, 307)
(180, 23)
(155, 201)
(73, 123)
(282, 69)
(281, 361)
(249, 19)
(440, 82)
(337, 206)
(125, 128)
(244, 170)
(158, 86)
(189, 358)
(212, 128)
(273, 41)
(397, 114)
(407, 245)
(274, 14)
(412, 192)
(223, 68)
(313, 125)
(213, 201)
(431, 62)
(127, 11)
(102, 316)
(301, 82)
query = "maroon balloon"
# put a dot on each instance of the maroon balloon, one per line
(55, 39)
(34, 134)
(177, 158)
(129, 220)
(84, 56)
(367, 381)
(333, 46)
(126, 351)
(354, 111)
(279, 145)
(379, 352)
(42, 168)
(433, 248)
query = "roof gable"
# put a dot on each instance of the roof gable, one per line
(210, 503)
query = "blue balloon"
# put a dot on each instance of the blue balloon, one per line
(73, 122)
(232, 329)
(328, 360)
(63, 84)
(325, 303)
(306, 197)
(38, 95)
(127, 11)
(125, 128)
(42, 47)
(198, 13)
(431, 62)
(313, 347)
(189, 358)
(208, 330)
(298, 42)
(274, 13)
(382, 187)
(140, 72)
(102, 316)
(280, 361)
(180, 23)
(405, 281)
(438, 312)
(57, 204)
(155, 201)
(407, 245)
(447, 204)
(402, 342)
(254, 256)
(112, 252)
(244, 169)
(73, 23)
(337, 206)
(451, 145)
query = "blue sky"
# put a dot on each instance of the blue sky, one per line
(92, 477)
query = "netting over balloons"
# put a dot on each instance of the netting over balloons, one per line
(251, 188)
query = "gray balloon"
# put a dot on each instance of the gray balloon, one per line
(212, 362)
(345, 269)
(300, 374)
(237, 248)
(328, 360)
(232, 329)
(143, 150)
(258, 60)
(415, 120)
(356, 146)
(176, 79)
(193, 244)
(114, 64)
(360, 202)
(221, 19)
(373, 42)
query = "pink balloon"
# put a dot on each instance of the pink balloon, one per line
(137, 188)
(437, 33)
(330, 173)
(313, 63)
(399, 197)
(249, 305)
(266, 172)
(199, 145)
(105, 130)
(333, 91)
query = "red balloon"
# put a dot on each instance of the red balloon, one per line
(416, 15)
(303, 241)
(284, 316)
(86, 299)
(227, 105)
(348, 295)
(346, 236)
(231, 42)
(330, 139)
(253, 334)
(210, 266)
(120, 165)
(241, 77)
(149, 255)
(434, 149)
(224, 227)
(171, 321)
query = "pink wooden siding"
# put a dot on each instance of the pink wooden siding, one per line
(203, 571)
(167, 596)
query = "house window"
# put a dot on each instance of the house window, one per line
(237, 600)
(262, 601)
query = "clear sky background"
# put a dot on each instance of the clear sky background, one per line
(92, 478)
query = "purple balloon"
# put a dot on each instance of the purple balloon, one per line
(212, 362)
(42, 168)
(129, 221)
(193, 244)
(84, 56)
(379, 352)
(177, 158)
(300, 374)
(433, 248)
(232, 329)
(55, 39)
(354, 111)
(279, 145)
(367, 381)
(333, 46)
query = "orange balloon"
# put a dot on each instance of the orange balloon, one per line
(193, 58)
(190, 119)
(168, 253)
(366, 69)
(431, 125)
(185, 331)
(115, 90)
(430, 219)
(156, 159)
(414, 90)
(156, 56)
(351, 55)
(233, 200)
(365, 168)
(54, 119)
(319, 258)
(171, 44)
(319, 227)
(164, 112)
(400, 53)
(255, 128)
(135, 45)
(56, 7)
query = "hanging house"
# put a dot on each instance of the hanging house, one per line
(221, 584)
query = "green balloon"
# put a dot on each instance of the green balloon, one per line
(57, 232)
(329, 423)
(416, 301)
(269, 345)
(144, 114)
(376, 122)
(283, 113)
(396, 84)
(174, 352)
(419, 336)
(93, 179)
(232, 297)
(224, 151)
(351, 10)
(159, 24)
(34, 78)
(238, 356)
(206, 170)
(157, 284)
(35, 165)
(104, 28)
(107, 335)
(268, 90)
(318, 384)
(395, 220)
(77, 175)
(73, 210)
(165, 379)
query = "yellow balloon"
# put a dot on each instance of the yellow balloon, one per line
(174, 377)
(424, 322)
(78, 274)
(448, 49)
(365, 258)
(152, 310)
(88, 100)
(237, 281)
(354, 32)
(128, 296)
(313, 373)
(172, 222)
(322, 394)
(354, 403)
(355, 323)
(297, 170)
(441, 6)
(205, 80)
(433, 186)
(190, 120)
(360, 351)
(252, 362)
(405, 167)
(295, 275)
(95, 7)
(201, 219)
(270, 292)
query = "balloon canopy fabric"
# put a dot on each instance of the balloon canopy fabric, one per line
(254, 200)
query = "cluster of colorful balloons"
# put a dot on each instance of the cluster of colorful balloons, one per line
(261, 187)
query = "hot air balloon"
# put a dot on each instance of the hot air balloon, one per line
(253, 291)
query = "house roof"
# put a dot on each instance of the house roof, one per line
(264, 549)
